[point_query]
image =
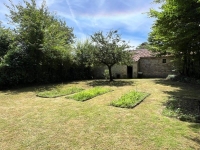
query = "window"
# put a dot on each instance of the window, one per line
(164, 61)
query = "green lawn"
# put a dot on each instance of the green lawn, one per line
(31, 122)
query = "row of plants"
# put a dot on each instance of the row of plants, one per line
(129, 100)
(89, 93)
(181, 108)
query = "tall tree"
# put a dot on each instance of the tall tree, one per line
(44, 38)
(177, 31)
(6, 38)
(83, 53)
(83, 59)
(144, 45)
(110, 49)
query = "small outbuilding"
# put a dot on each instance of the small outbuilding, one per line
(145, 65)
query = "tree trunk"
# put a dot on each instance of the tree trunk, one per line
(110, 73)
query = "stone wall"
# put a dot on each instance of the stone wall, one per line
(155, 66)
(151, 67)
(118, 71)
(135, 69)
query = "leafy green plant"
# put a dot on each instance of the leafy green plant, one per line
(90, 93)
(130, 100)
(57, 92)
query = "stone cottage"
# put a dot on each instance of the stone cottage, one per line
(145, 65)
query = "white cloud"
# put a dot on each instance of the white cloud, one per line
(72, 15)
(89, 16)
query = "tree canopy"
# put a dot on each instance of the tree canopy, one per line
(41, 48)
(6, 38)
(176, 31)
(144, 45)
(83, 52)
(110, 49)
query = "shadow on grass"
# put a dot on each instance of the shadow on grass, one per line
(117, 83)
(196, 127)
(50, 86)
(195, 139)
(30, 88)
(185, 109)
(184, 101)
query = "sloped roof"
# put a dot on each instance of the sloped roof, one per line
(137, 54)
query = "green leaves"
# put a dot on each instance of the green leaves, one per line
(41, 47)
(89, 93)
(83, 53)
(177, 31)
(110, 49)
(130, 100)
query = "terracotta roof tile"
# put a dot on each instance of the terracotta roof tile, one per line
(137, 54)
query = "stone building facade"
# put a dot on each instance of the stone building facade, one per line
(145, 65)
(152, 67)
(118, 71)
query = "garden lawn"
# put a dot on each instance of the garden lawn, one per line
(58, 91)
(31, 122)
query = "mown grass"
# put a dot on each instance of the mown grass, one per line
(90, 93)
(34, 123)
(130, 100)
(58, 91)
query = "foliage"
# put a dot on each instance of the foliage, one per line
(90, 93)
(41, 51)
(58, 91)
(106, 74)
(110, 49)
(176, 31)
(83, 58)
(130, 100)
(83, 53)
(6, 39)
(13, 68)
(180, 78)
(144, 45)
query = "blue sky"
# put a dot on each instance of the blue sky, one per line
(86, 17)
